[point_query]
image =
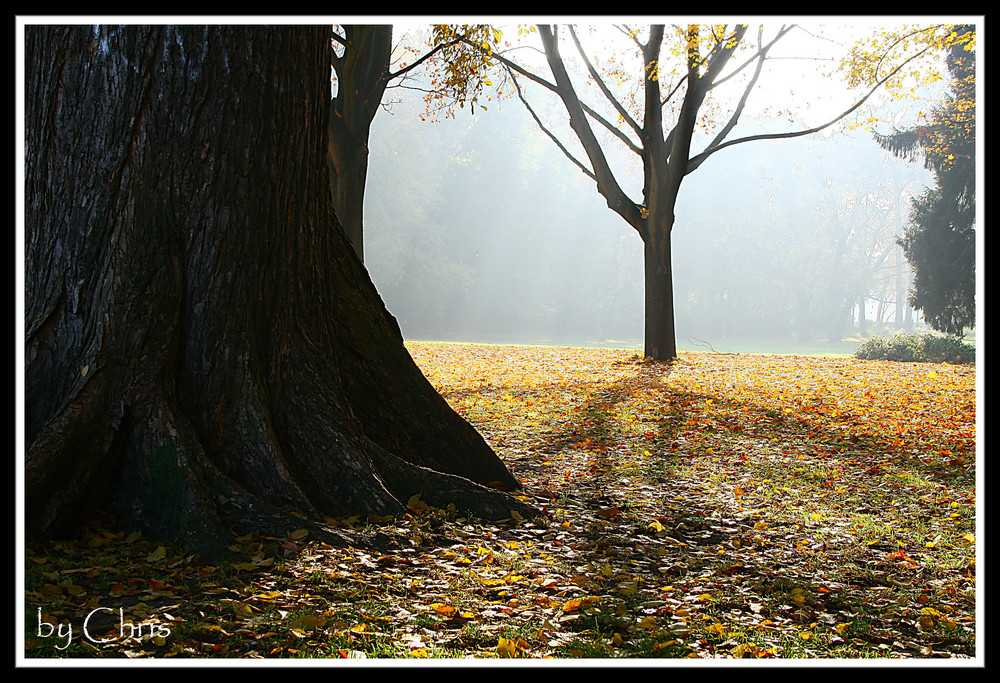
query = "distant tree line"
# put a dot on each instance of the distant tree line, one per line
(497, 238)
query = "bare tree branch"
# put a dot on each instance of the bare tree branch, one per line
(610, 127)
(722, 52)
(607, 184)
(673, 90)
(550, 134)
(423, 58)
(630, 34)
(760, 49)
(622, 112)
(700, 158)
(738, 110)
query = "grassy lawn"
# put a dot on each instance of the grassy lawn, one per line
(721, 506)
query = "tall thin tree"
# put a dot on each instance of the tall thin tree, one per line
(940, 240)
(664, 144)
(361, 58)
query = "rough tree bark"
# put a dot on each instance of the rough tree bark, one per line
(203, 349)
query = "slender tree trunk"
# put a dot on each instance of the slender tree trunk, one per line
(362, 75)
(203, 349)
(660, 339)
(839, 320)
(348, 177)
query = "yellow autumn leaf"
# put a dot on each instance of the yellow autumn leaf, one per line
(157, 554)
(745, 650)
(506, 648)
(307, 622)
(242, 611)
(647, 622)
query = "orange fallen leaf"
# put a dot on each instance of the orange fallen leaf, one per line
(444, 609)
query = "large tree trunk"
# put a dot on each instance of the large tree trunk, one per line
(203, 349)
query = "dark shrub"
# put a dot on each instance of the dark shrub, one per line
(917, 348)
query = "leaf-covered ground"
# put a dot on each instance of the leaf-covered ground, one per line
(770, 507)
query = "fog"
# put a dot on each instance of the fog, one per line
(479, 229)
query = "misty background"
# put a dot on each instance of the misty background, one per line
(477, 228)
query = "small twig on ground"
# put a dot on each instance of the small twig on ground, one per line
(702, 342)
